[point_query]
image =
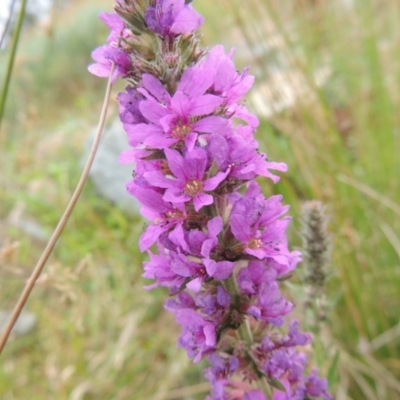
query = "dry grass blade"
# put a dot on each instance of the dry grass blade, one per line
(385, 338)
(370, 192)
(391, 235)
(383, 373)
(363, 385)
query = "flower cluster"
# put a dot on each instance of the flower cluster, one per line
(217, 243)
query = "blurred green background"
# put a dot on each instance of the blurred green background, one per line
(327, 92)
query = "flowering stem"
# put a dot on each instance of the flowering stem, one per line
(61, 224)
(10, 63)
(221, 249)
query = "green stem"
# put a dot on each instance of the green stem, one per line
(10, 63)
(246, 335)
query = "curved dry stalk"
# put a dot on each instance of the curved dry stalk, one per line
(63, 221)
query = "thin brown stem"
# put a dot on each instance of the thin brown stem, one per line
(61, 224)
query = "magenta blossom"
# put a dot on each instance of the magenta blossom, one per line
(105, 56)
(187, 182)
(198, 335)
(180, 118)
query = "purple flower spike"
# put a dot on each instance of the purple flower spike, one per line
(218, 244)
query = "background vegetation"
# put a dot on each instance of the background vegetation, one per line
(327, 84)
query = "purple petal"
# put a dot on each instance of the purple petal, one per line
(209, 333)
(127, 156)
(204, 105)
(202, 200)
(195, 284)
(219, 148)
(214, 226)
(239, 90)
(177, 237)
(158, 179)
(260, 254)
(176, 164)
(195, 81)
(176, 198)
(218, 270)
(180, 267)
(156, 88)
(159, 142)
(99, 70)
(212, 125)
(195, 164)
(190, 140)
(152, 111)
(240, 228)
(207, 246)
(139, 132)
(212, 183)
(187, 20)
(180, 103)
(149, 198)
(150, 236)
(224, 269)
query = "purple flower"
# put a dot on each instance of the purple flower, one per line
(172, 17)
(198, 335)
(201, 243)
(219, 270)
(221, 368)
(242, 156)
(160, 268)
(188, 182)
(183, 300)
(317, 387)
(215, 307)
(270, 305)
(165, 216)
(295, 337)
(228, 83)
(105, 56)
(180, 118)
(261, 243)
(254, 223)
(129, 107)
(251, 278)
